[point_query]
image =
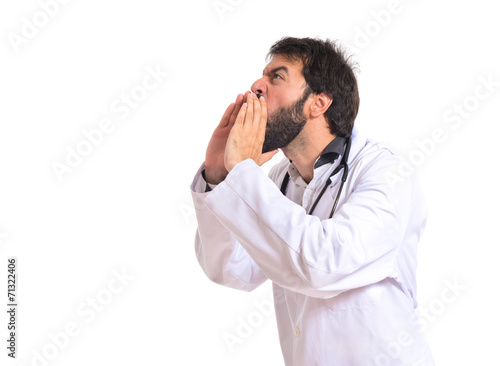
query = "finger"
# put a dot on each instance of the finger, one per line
(249, 116)
(240, 119)
(225, 120)
(264, 158)
(245, 97)
(237, 106)
(256, 113)
(263, 115)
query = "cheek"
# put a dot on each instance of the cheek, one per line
(273, 104)
(270, 109)
(277, 99)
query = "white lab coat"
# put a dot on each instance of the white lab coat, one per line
(344, 288)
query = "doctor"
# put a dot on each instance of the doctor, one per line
(337, 237)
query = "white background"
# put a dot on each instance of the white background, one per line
(127, 207)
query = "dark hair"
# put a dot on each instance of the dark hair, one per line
(326, 68)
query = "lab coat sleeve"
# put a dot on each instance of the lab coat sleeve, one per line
(320, 258)
(221, 257)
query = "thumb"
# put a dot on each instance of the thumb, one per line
(265, 157)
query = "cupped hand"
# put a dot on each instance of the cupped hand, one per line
(247, 135)
(215, 171)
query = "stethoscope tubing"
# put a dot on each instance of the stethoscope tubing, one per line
(342, 165)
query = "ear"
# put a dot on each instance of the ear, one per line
(320, 104)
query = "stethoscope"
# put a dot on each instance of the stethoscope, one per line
(343, 164)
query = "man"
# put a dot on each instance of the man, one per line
(334, 234)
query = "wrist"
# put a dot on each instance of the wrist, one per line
(213, 177)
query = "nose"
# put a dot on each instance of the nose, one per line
(259, 87)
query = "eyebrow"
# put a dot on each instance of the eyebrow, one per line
(276, 69)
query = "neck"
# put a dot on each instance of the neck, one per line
(306, 149)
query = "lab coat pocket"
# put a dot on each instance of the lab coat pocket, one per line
(358, 298)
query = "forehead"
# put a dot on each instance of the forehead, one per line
(292, 67)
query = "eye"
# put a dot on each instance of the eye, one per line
(277, 76)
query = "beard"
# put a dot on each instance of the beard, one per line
(285, 124)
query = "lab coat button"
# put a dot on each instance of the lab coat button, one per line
(297, 332)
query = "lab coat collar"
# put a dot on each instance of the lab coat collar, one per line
(329, 155)
(331, 152)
